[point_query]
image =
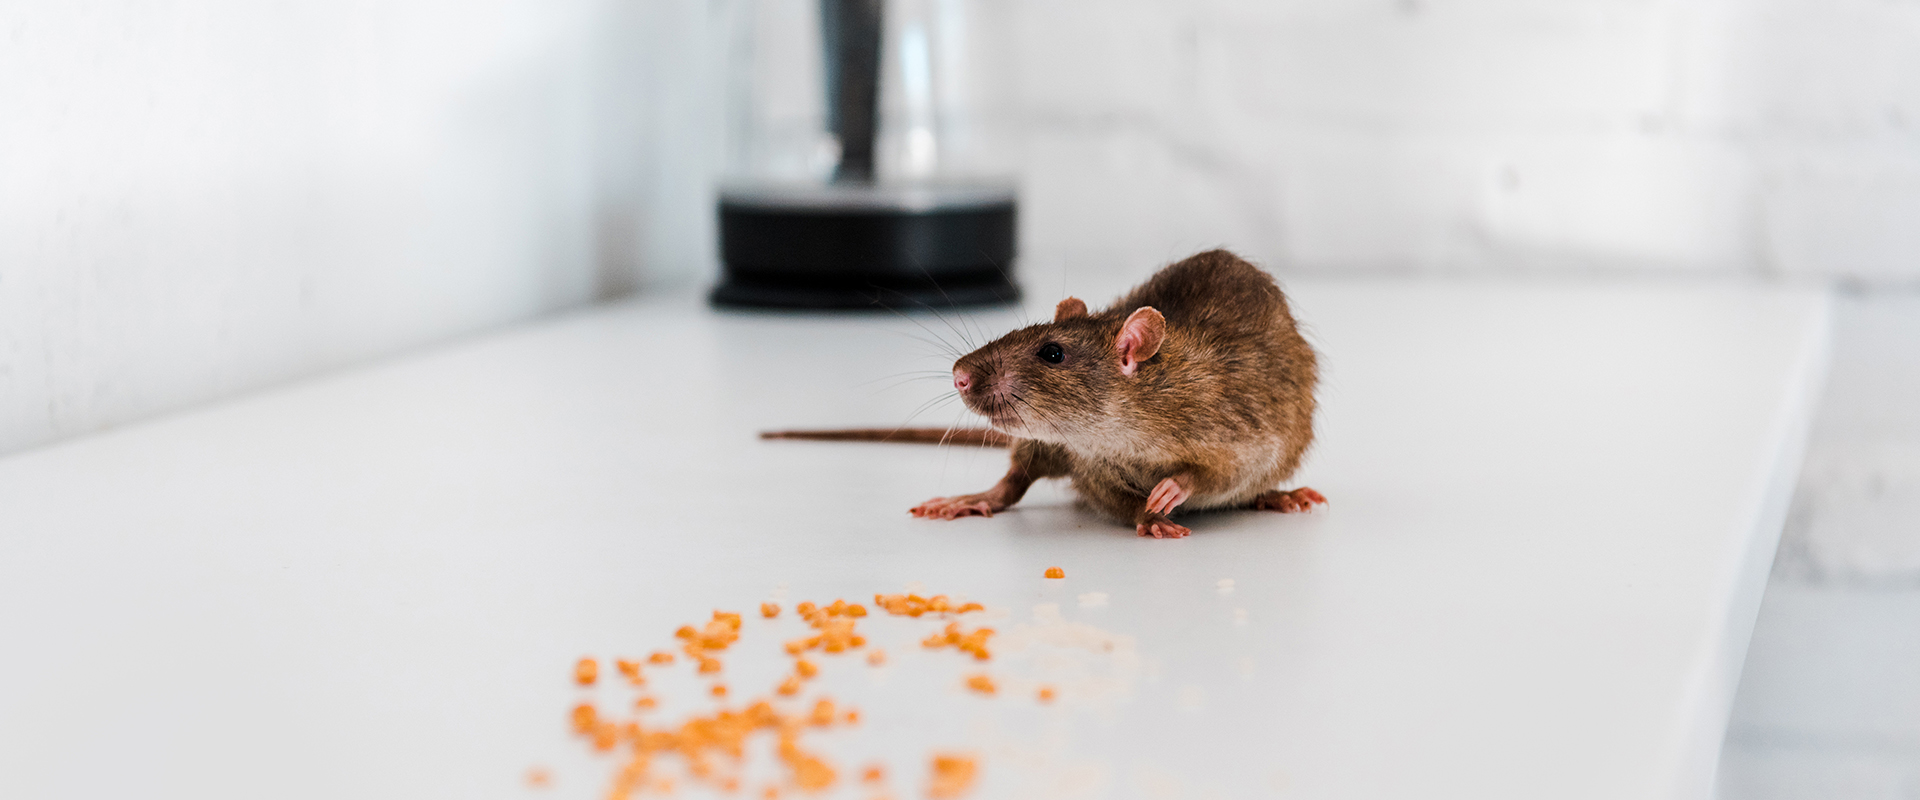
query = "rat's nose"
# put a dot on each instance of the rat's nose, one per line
(961, 380)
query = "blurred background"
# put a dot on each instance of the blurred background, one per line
(197, 199)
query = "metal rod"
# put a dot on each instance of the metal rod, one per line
(851, 29)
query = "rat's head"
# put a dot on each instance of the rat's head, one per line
(1056, 380)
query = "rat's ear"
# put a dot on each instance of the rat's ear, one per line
(1070, 308)
(1139, 338)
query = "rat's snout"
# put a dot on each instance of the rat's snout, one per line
(962, 379)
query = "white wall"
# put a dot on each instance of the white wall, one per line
(1774, 136)
(202, 197)
(1764, 137)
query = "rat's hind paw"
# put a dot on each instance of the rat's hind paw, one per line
(1301, 499)
(970, 505)
(1159, 527)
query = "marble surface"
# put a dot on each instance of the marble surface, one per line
(1553, 506)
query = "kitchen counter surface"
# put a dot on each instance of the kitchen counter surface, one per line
(1553, 508)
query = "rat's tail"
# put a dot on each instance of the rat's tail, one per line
(972, 437)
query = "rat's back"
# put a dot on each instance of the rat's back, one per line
(1235, 379)
(1217, 292)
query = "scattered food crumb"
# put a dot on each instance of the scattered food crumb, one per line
(975, 642)
(1093, 600)
(1223, 586)
(952, 776)
(1056, 572)
(631, 669)
(874, 774)
(1046, 694)
(700, 738)
(539, 777)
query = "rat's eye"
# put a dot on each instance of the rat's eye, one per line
(1052, 353)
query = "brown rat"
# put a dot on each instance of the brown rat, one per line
(1194, 391)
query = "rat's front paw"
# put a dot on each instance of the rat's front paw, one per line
(1166, 496)
(1159, 527)
(1301, 499)
(971, 505)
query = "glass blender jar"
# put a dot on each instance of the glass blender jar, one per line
(868, 158)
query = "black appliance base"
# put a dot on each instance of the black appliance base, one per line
(852, 294)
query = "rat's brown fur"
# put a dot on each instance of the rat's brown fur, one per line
(1216, 416)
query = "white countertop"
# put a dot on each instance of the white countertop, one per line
(1553, 506)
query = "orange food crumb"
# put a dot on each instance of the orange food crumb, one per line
(586, 671)
(584, 717)
(645, 703)
(974, 643)
(722, 631)
(1046, 694)
(605, 735)
(708, 666)
(823, 712)
(790, 686)
(952, 776)
(805, 609)
(809, 772)
(853, 716)
(1056, 572)
(877, 657)
(874, 774)
(539, 777)
(631, 669)
(769, 610)
(719, 690)
(805, 668)
(981, 683)
(660, 657)
(856, 610)
(770, 792)
(969, 607)
(685, 632)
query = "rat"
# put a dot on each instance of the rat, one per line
(1193, 391)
